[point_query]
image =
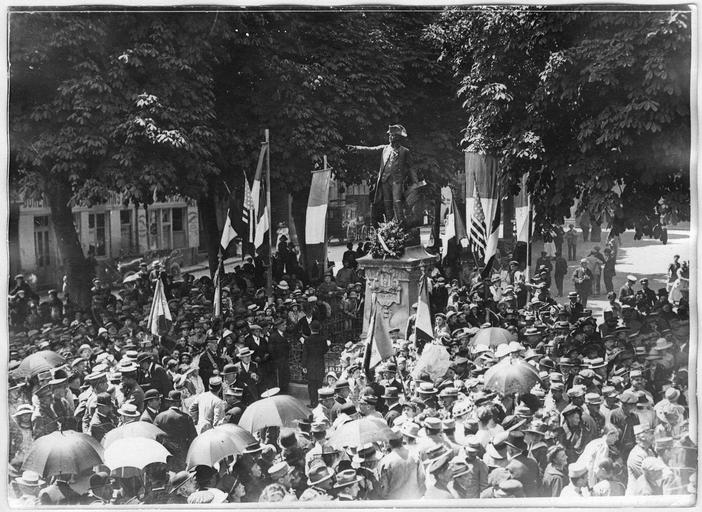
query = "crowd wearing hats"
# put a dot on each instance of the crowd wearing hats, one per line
(514, 395)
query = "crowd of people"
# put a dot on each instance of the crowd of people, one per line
(606, 415)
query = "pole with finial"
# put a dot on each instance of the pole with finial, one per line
(269, 271)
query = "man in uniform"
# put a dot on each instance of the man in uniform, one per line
(320, 480)
(626, 292)
(208, 409)
(86, 400)
(325, 408)
(642, 450)
(210, 361)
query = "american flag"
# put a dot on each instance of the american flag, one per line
(477, 228)
(247, 207)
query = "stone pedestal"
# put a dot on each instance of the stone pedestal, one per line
(395, 283)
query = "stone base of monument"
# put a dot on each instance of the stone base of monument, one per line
(395, 283)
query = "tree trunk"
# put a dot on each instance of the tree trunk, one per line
(595, 231)
(58, 196)
(207, 205)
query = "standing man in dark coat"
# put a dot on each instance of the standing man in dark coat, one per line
(313, 351)
(177, 425)
(152, 375)
(394, 168)
(279, 349)
(209, 362)
(560, 270)
(582, 279)
(248, 376)
(259, 346)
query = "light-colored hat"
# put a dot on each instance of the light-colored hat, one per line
(129, 410)
(640, 429)
(576, 470)
(30, 478)
(410, 429)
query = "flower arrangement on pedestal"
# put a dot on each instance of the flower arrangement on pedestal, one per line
(390, 240)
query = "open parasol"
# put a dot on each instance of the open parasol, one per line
(34, 364)
(511, 376)
(131, 430)
(63, 453)
(492, 336)
(135, 452)
(241, 436)
(359, 432)
(215, 444)
(274, 411)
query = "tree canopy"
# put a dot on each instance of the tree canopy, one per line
(153, 104)
(592, 105)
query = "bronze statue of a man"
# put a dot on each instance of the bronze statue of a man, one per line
(395, 167)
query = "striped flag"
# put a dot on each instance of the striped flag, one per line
(236, 222)
(378, 343)
(228, 233)
(260, 205)
(316, 220)
(160, 319)
(521, 211)
(477, 229)
(482, 204)
(246, 210)
(423, 329)
(315, 226)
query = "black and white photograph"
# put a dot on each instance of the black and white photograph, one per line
(399, 255)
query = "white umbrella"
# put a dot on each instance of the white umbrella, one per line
(274, 411)
(134, 452)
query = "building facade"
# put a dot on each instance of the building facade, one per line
(109, 231)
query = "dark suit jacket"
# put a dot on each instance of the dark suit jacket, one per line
(147, 416)
(207, 368)
(158, 379)
(313, 352)
(246, 382)
(304, 325)
(260, 350)
(278, 347)
(178, 426)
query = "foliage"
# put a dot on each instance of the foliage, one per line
(390, 241)
(110, 102)
(594, 106)
(153, 104)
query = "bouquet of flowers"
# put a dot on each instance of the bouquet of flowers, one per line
(390, 241)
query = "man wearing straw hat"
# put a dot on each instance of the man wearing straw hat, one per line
(29, 485)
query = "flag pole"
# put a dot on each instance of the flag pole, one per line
(269, 271)
(528, 255)
(325, 247)
(218, 284)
